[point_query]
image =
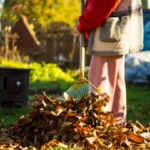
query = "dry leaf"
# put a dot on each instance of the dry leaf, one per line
(66, 123)
(76, 136)
(85, 125)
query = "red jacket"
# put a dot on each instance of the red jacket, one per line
(95, 13)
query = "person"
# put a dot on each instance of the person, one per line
(114, 28)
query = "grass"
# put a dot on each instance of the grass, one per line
(138, 104)
(138, 107)
(9, 117)
(46, 87)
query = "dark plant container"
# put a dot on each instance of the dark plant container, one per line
(14, 87)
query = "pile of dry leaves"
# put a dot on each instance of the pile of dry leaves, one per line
(79, 124)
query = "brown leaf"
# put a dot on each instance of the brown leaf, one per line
(62, 131)
(91, 140)
(35, 105)
(55, 143)
(52, 143)
(76, 136)
(54, 131)
(114, 144)
(13, 145)
(72, 117)
(66, 123)
(99, 110)
(64, 138)
(102, 143)
(90, 144)
(55, 136)
(84, 98)
(62, 145)
(137, 130)
(35, 139)
(32, 148)
(135, 138)
(140, 125)
(60, 122)
(100, 128)
(46, 99)
(12, 130)
(38, 98)
(66, 96)
(85, 125)
(9, 140)
(18, 140)
(146, 135)
(70, 106)
(58, 111)
(119, 135)
(53, 97)
(43, 102)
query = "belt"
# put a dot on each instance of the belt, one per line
(120, 13)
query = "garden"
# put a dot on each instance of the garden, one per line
(40, 37)
(51, 79)
(47, 80)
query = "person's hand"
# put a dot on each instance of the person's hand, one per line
(79, 33)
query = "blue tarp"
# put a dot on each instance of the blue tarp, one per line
(146, 14)
(137, 67)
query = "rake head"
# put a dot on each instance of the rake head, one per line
(80, 88)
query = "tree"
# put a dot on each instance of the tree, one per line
(6, 3)
(43, 11)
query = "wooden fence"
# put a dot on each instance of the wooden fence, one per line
(58, 41)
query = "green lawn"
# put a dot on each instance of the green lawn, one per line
(138, 104)
(138, 107)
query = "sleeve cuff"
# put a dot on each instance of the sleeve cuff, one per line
(79, 28)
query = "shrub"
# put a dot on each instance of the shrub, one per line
(43, 72)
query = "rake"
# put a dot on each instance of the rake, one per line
(81, 86)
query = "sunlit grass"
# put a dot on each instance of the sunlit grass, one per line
(138, 104)
(10, 116)
(138, 107)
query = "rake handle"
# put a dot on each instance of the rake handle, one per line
(82, 48)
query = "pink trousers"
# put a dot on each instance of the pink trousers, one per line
(108, 72)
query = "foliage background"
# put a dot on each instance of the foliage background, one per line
(49, 76)
(44, 73)
(43, 11)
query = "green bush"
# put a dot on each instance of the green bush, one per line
(42, 72)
